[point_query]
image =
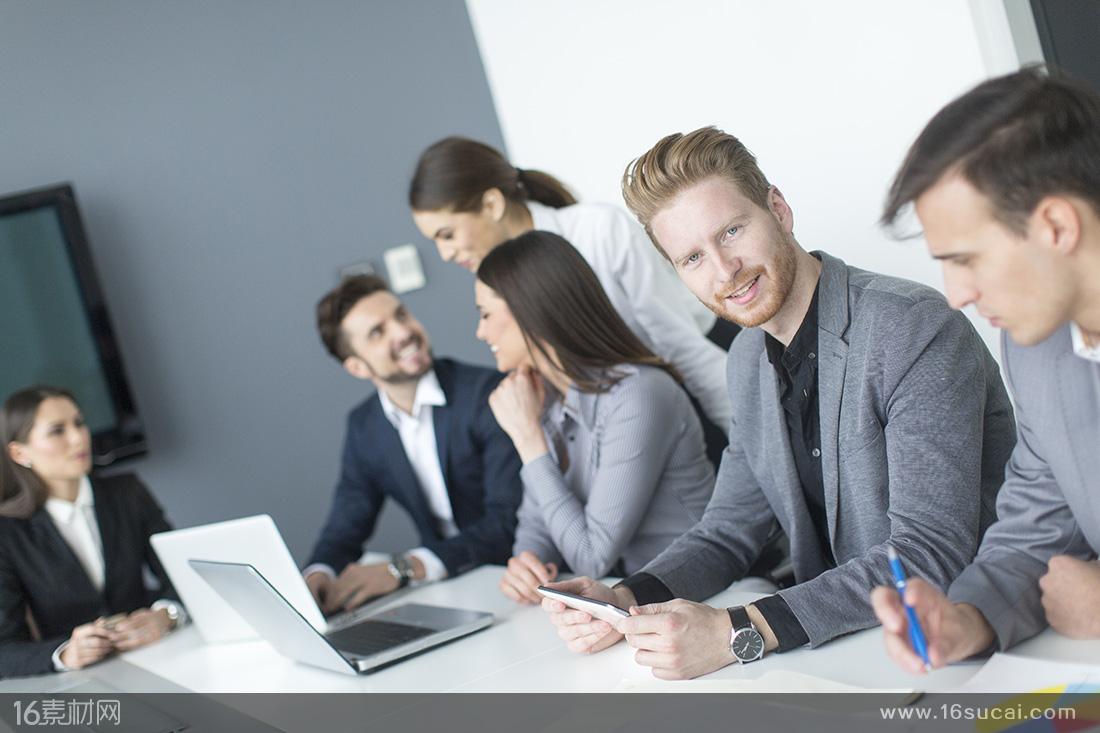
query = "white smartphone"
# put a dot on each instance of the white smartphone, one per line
(602, 610)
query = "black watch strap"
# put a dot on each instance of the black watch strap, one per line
(402, 569)
(739, 617)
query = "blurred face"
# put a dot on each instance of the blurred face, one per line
(497, 328)
(59, 446)
(738, 258)
(464, 238)
(1022, 284)
(390, 345)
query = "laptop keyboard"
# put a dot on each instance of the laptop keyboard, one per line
(371, 637)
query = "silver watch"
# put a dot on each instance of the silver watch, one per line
(401, 568)
(746, 643)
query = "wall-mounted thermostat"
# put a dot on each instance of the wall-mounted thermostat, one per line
(403, 265)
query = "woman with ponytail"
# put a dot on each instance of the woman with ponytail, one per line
(468, 199)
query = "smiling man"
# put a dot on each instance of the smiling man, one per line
(426, 438)
(866, 414)
(1006, 183)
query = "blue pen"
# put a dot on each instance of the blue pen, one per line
(916, 633)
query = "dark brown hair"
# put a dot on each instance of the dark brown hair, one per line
(22, 491)
(1015, 138)
(454, 173)
(559, 305)
(336, 303)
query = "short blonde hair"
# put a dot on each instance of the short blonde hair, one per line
(678, 161)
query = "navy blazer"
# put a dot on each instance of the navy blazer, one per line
(480, 469)
(39, 573)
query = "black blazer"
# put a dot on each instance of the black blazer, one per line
(39, 572)
(480, 469)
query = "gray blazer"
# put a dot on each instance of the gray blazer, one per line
(626, 475)
(916, 428)
(1050, 502)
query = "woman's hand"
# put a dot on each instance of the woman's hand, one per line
(88, 644)
(141, 627)
(517, 405)
(524, 574)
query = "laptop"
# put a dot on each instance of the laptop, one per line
(380, 639)
(257, 542)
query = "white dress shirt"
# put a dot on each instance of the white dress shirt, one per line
(77, 524)
(1081, 347)
(417, 432)
(647, 294)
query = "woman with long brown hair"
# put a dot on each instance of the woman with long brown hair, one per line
(614, 466)
(72, 546)
(468, 199)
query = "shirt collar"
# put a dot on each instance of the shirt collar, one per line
(1080, 347)
(804, 341)
(428, 393)
(63, 511)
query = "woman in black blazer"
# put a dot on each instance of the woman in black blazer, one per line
(72, 546)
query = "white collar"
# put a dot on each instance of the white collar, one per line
(1080, 347)
(428, 392)
(64, 511)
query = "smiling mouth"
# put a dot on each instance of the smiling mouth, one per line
(744, 289)
(410, 350)
(494, 349)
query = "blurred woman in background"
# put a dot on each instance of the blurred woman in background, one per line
(72, 546)
(614, 466)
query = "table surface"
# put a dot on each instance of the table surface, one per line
(520, 652)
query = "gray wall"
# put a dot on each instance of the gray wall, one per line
(229, 157)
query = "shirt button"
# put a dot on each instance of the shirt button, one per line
(815, 453)
(811, 355)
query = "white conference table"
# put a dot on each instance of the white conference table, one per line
(521, 652)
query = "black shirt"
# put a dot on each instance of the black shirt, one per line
(796, 369)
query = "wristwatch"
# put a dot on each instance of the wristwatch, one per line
(401, 569)
(746, 643)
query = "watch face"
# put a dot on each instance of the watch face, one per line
(747, 645)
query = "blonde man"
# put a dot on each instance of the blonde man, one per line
(866, 414)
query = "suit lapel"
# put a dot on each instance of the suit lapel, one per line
(1079, 389)
(405, 481)
(69, 566)
(109, 536)
(832, 353)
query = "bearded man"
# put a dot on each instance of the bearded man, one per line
(867, 414)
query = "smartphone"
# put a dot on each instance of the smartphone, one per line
(602, 610)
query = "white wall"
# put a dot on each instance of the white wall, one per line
(828, 95)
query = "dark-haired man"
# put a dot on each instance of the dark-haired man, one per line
(866, 415)
(426, 439)
(1006, 183)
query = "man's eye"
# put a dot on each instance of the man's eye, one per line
(732, 231)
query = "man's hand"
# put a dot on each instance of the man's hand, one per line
(679, 639)
(582, 633)
(953, 631)
(320, 585)
(524, 574)
(357, 584)
(88, 644)
(1071, 596)
(141, 627)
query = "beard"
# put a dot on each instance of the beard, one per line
(399, 376)
(780, 276)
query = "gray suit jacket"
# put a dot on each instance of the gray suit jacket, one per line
(1050, 502)
(916, 428)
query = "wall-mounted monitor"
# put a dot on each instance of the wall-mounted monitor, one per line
(54, 325)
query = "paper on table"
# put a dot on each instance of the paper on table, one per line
(1013, 674)
(776, 681)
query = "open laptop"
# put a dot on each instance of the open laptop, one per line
(252, 540)
(380, 639)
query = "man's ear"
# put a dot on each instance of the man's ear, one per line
(1056, 223)
(494, 204)
(780, 209)
(356, 367)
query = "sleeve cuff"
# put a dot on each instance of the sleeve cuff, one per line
(646, 589)
(784, 624)
(434, 569)
(58, 665)
(319, 567)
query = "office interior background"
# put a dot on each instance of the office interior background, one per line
(230, 158)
